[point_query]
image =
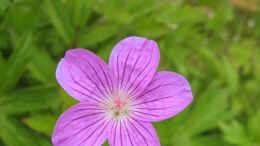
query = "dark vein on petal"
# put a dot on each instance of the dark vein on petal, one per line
(145, 75)
(136, 111)
(89, 136)
(105, 86)
(114, 140)
(112, 128)
(143, 127)
(117, 66)
(76, 82)
(128, 134)
(121, 140)
(80, 117)
(98, 101)
(124, 68)
(101, 132)
(155, 88)
(102, 84)
(89, 78)
(82, 86)
(106, 78)
(138, 76)
(85, 109)
(139, 83)
(155, 79)
(139, 132)
(80, 130)
(156, 99)
(162, 108)
(133, 68)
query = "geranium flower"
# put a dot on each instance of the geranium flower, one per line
(118, 101)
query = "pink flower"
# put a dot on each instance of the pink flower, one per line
(118, 101)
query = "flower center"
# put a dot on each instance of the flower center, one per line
(118, 106)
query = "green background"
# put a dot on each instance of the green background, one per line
(214, 44)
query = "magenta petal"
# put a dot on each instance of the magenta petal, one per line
(134, 61)
(167, 95)
(82, 125)
(84, 75)
(130, 132)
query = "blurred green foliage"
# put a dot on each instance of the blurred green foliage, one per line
(215, 44)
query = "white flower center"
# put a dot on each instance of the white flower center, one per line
(119, 106)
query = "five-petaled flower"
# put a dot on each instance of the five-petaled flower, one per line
(118, 101)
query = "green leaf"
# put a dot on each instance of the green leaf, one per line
(3, 39)
(30, 100)
(235, 133)
(106, 48)
(129, 10)
(42, 67)
(253, 126)
(143, 27)
(111, 10)
(81, 11)
(22, 16)
(52, 9)
(221, 17)
(13, 133)
(97, 34)
(105, 144)
(209, 140)
(67, 100)
(2, 66)
(209, 110)
(173, 16)
(180, 139)
(41, 122)
(3, 5)
(229, 75)
(16, 64)
(211, 60)
(241, 52)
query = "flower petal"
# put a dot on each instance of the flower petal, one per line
(133, 62)
(83, 124)
(130, 132)
(168, 94)
(84, 75)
